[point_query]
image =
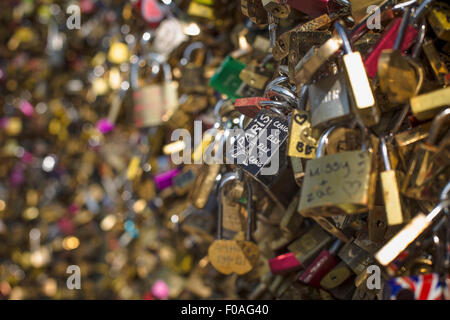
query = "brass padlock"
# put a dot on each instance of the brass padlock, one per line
(336, 184)
(428, 170)
(360, 90)
(238, 256)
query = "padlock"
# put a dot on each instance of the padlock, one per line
(302, 138)
(314, 59)
(407, 139)
(400, 77)
(226, 79)
(153, 103)
(192, 78)
(355, 257)
(232, 218)
(183, 182)
(239, 256)
(353, 170)
(260, 151)
(391, 190)
(284, 263)
(329, 101)
(438, 19)
(409, 233)
(337, 276)
(249, 106)
(299, 44)
(257, 75)
(282, 44)
(438, 66)
(428, 163)
(204, 185)
(309, 245)
(387, 41)
(428, 105)
(322, 264)
(360, 91)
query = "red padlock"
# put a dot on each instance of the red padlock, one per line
(284, 263)
(249, 106)
(323, 264)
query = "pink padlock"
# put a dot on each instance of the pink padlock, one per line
(165, 179)
(284, 263)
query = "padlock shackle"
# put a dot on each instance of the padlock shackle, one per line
(323, 140)
(283, 71)
(187, 54)
(222, 103)
(385, 155)
(442, 205)
(277, 81)
(441, 119)
(250, 220)
(421, 10)
(303, 98)
(346, 44)
(277, 111)
(283, 93)
(241, 121)
(149, 58)
(420, 39)
(275, 104)
(402, 29)
(227, 177)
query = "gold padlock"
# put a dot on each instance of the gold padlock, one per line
(341, 183)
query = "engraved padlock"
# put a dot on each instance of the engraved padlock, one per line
(260, 150)
(340, 183)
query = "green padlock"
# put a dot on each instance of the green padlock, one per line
(226, 79)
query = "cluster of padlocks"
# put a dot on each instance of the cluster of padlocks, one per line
(211, 149)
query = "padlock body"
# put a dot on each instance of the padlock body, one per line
(391, 196)
(329, 101)
(148, 109)
(361, 94)
(337, 184)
